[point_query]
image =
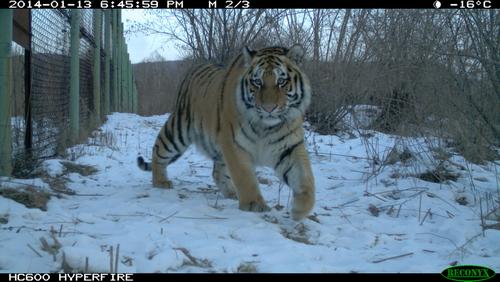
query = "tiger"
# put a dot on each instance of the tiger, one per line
(242, 116)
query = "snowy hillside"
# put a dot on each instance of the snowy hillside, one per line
(370, 216)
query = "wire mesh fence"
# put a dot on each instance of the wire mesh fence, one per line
(86, 59)
(41, 79)
(18, 101)
(50, 69)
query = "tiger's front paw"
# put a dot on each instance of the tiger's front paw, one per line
(166, 184)
(303, 203)
(254, 206)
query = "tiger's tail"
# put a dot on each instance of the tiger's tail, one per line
(143, 164)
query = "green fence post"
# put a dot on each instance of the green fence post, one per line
(132, 87)
(6, 17)
(125, 77)
(136, 99)
(74, 112)
(115, 60)
(129, 101)
(123, 71)
(97, 65)
(134, 94)
(107, 52)
(119, 62)
(129, 83)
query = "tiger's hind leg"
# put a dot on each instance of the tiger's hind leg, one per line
(159, 168)
(223, 180)
(169, 146)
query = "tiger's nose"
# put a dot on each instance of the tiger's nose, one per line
(269, 107)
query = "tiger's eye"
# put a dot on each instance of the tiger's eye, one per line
(282, 82)
(256, 82)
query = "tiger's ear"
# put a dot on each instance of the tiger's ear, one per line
(296, 53)
(248, 55)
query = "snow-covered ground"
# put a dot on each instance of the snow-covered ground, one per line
(369, 216)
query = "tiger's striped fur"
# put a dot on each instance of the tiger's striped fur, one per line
(246, 115)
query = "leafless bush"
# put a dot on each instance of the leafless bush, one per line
(432, 73)
(157, 83)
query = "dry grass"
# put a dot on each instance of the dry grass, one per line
(29, 197)
(4, 218)
(298, 234)
(58, 184)
(84, 170)
(438, 175)
(247, 267)
(193, 261)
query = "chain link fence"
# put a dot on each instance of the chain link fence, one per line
(41, 79)
(50, 80)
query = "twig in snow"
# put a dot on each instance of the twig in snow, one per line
(462, 247)
(194, 261)
(345, 216)
(216, 202)
(450, 215)
(420, 207)
(208, 217)
(33, 249)
(188, 255)
(51, 249)
(166, 218)
(346, 203)
(439, 236)
(279, 193)
(89, 195)
(425, 216)
(341, 184)
(138, 214)
(395, 257)
(116, 257)
(64, 265)
(376, 196)
(414, 188)
(19, 228)
(144, 214)
(399, 210)
(432, 195)
(111, 259)
(481, 214)
(343, 155)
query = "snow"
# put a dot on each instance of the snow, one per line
(368, 217)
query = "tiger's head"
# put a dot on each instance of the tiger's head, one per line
(273, 89)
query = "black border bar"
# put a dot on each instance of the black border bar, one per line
(265, 4)
(229, 277)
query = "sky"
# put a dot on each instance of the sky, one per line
(141, 46)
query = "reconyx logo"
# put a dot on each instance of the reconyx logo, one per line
(468, 273)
